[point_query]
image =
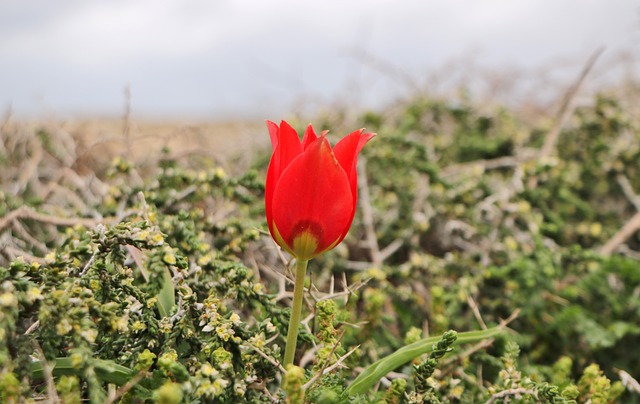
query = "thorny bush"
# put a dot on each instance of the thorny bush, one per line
(164, 286)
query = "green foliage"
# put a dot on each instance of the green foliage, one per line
(151, 295)
(163, 285)
(500, 231)
(423, 371)
(292, 384)
(437, 346)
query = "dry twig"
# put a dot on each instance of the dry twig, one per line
(271, 360)
(517, 392)
(126, 387)
(566, 108)
(24, 212)
(367, 213)
(330, 368)
(622, 235)
(476, 312)
(628, 191)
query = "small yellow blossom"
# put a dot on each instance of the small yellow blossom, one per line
(138, 326)
(165, 325)
(120, 324)
(76, 360)
(234, 318)
(214, 389)
(219, 173)
(208, 370)
(258, 288)
(151, 301)
(205, 259)
(63, 327)
(169, 258)
(524, 207)
(510, 243)
(90, 335)
(270, 327)
(50, 258)
(8, 299)
(257, 341)
(141, 235)
(219, 385)
(376, 273)
(225, 331)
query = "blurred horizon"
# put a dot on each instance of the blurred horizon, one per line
(249, 59)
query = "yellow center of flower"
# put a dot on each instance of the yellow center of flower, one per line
(304, 240)
(305, 245)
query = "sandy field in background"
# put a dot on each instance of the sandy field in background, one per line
(99, 140)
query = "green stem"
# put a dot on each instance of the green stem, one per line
(296, 310)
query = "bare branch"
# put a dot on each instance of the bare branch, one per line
(566, 108)
(628, 191)
(476, 311)
(367, 213)
(32, 327)
(330, 368)
(127, 386)
(326, 362)
(517, 392)
(24, 212)
(622, 235)
(271, 360)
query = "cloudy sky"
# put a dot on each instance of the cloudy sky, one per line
(214, 59)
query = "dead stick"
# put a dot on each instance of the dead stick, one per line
(622, 235)
(27, 213)
(367, 213)
(628, 191)
(566, 109)
(516, 392)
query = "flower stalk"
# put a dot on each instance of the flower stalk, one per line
(296, 311)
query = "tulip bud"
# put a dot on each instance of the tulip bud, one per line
(311, 189)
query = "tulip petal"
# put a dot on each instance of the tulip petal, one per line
(287, 146)
(309, 137)
(346, 152)
(274, 133)
(312, 202)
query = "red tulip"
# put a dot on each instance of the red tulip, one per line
(311, 189)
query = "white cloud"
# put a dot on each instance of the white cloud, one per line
(205, 54)
(106, 32)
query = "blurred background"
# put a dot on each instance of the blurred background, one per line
(230, 60)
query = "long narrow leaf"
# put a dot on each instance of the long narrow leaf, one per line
(374, 372)
(166, 296)
(106, 371)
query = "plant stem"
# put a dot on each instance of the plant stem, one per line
(296, 310)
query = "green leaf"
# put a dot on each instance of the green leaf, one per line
(378, 369)
(106, 370)
(166, 297)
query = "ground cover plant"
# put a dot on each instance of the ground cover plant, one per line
(482, 266)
